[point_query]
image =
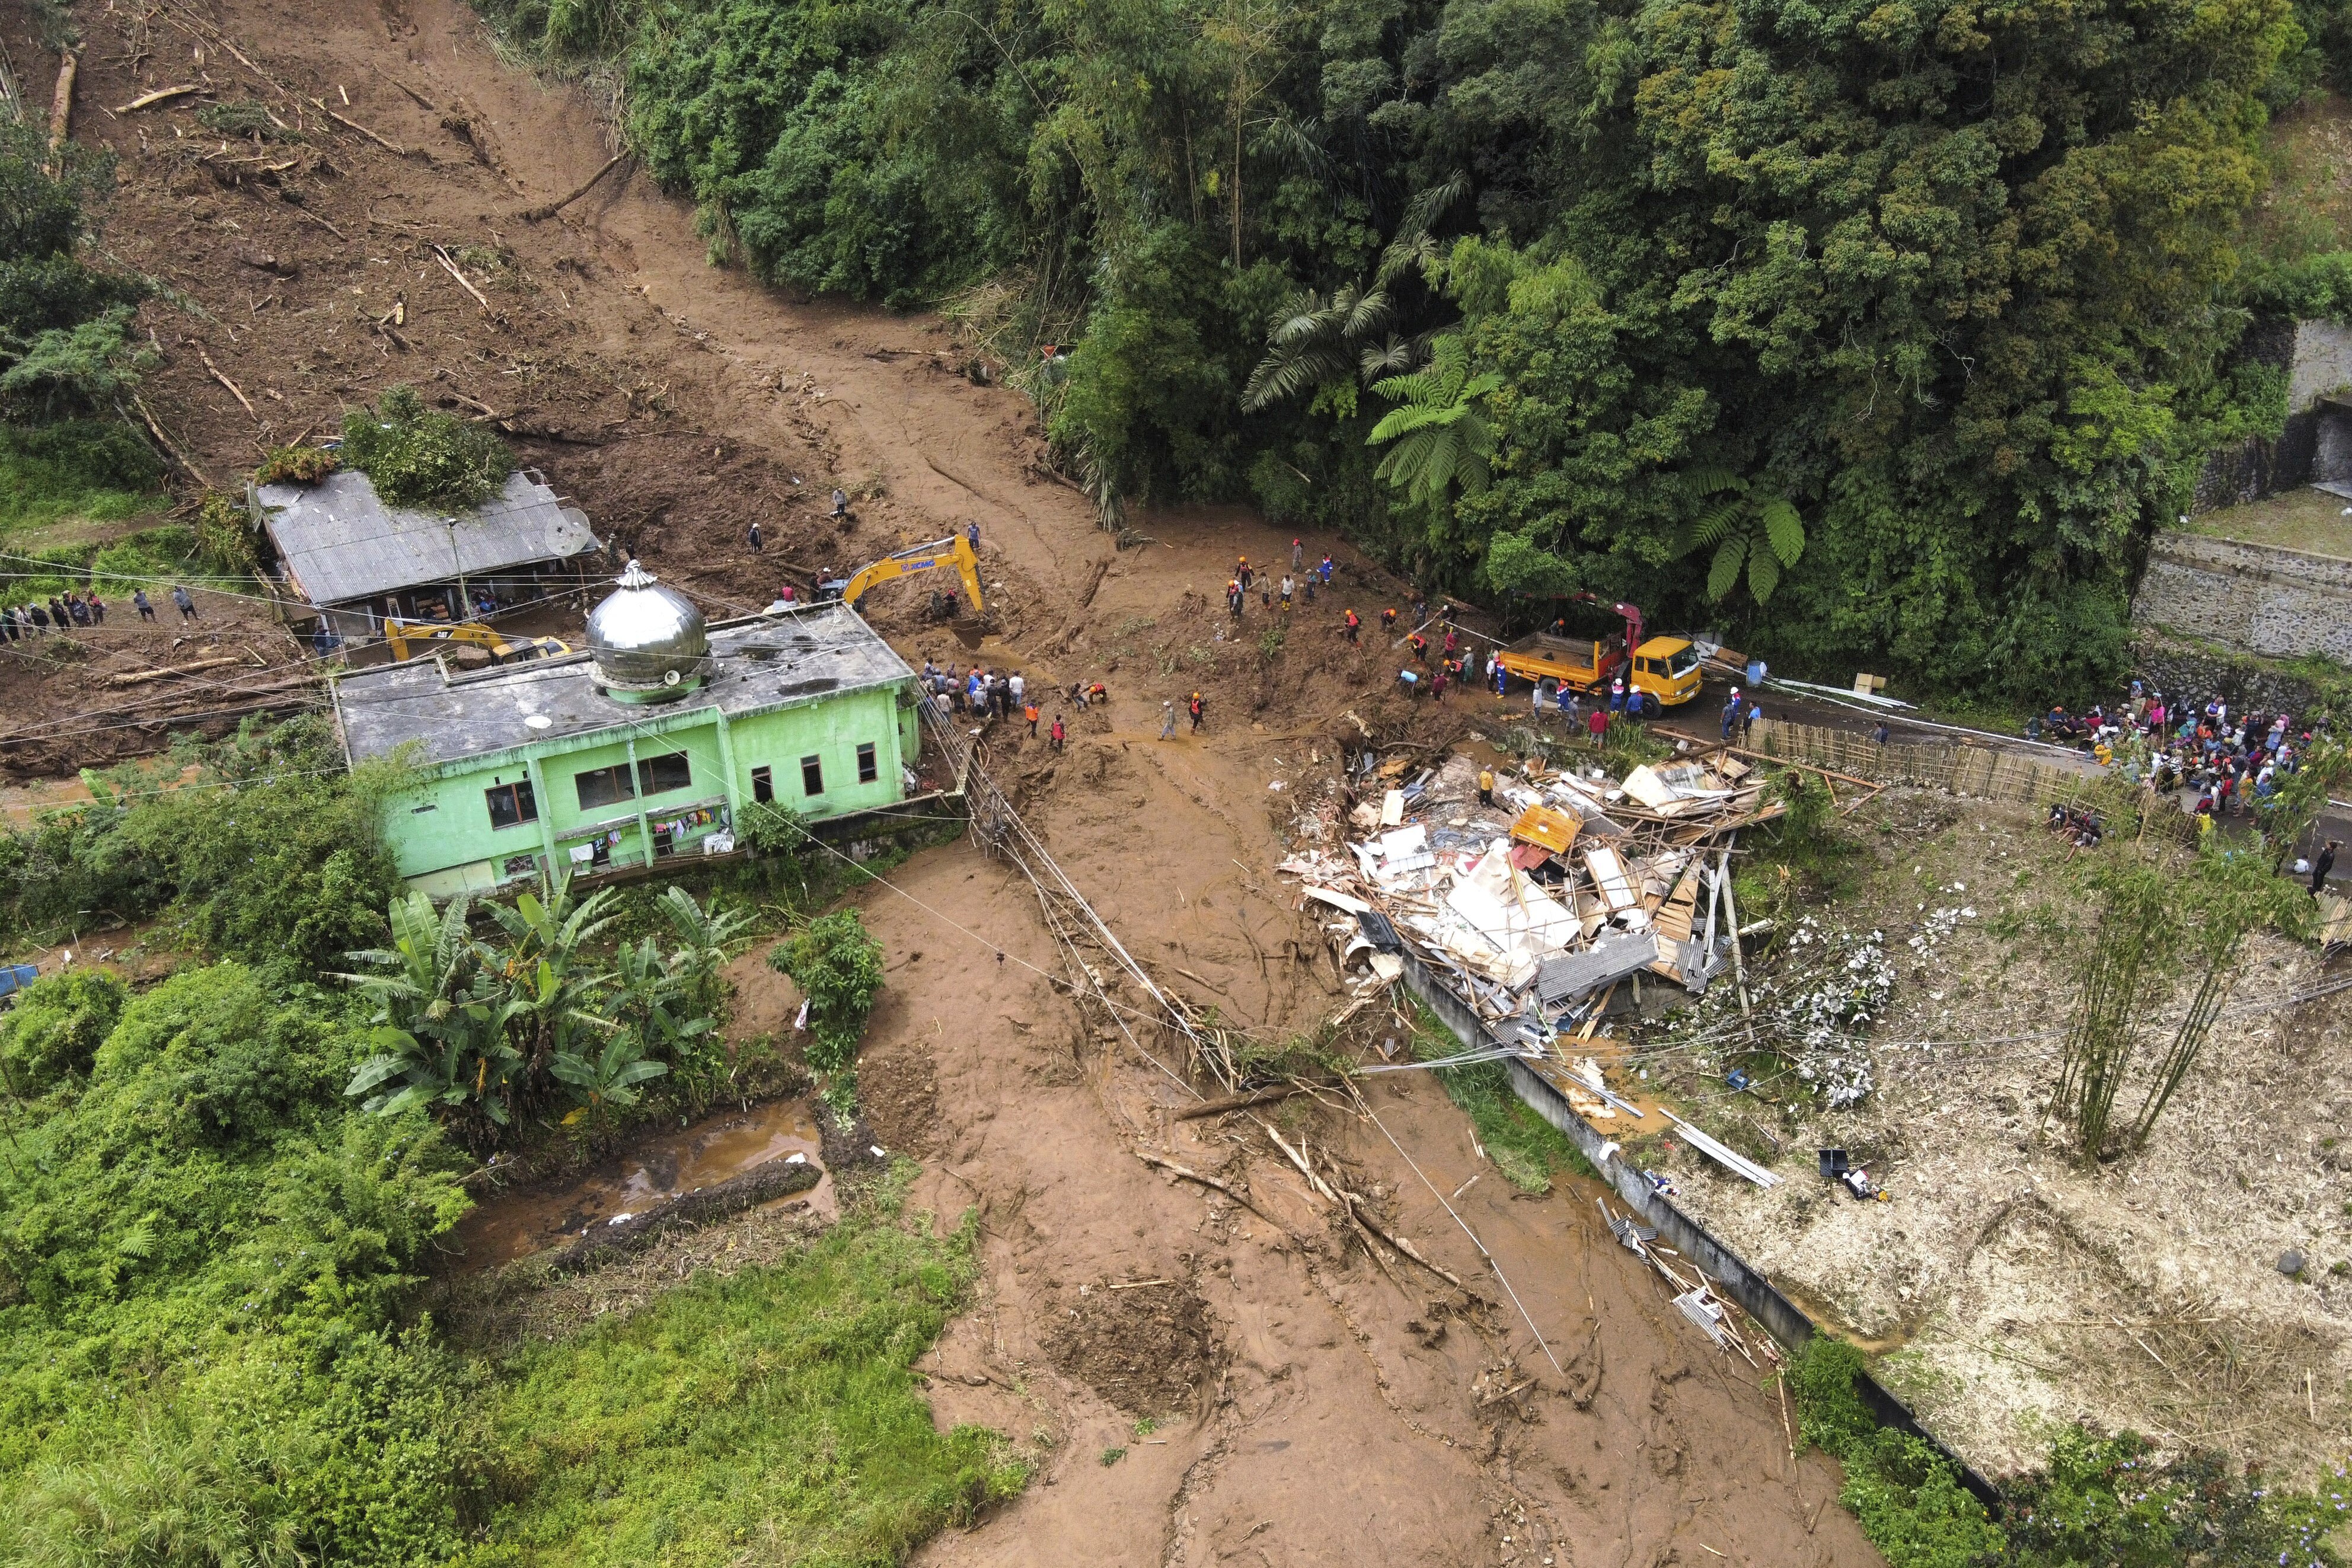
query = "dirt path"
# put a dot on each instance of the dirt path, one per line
(1311, 1408)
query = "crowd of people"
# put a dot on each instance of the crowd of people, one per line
(2233, 761)
(976, 693)
(64, 613)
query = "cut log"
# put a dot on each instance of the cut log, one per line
(141, 677)
(61, 105)
(234, 390)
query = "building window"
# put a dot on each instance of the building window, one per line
(511, 805)
(812, 776)
(604, 786)
(664, 843)
(763, 785)
(667, 771)
(867, 769)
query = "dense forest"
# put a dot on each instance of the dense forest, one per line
(1852, 330)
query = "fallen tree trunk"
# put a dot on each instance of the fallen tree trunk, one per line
(534, 214)
(141, 677)
(61, 105)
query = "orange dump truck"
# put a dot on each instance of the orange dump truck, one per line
(1665, 668)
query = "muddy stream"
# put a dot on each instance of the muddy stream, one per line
(520, 1221)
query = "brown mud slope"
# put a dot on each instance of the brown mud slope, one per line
(1310, 1408)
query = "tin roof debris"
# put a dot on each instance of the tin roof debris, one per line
(1533, 909)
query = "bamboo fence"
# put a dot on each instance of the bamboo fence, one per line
(1981, 772)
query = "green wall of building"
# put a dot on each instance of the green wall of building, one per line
(440, 829)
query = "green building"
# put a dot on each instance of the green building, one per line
(650, 744)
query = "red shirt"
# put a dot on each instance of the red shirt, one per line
(1597, 723)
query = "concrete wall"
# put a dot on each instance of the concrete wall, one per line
(2278, 602)
(1733, 1277)
(444, 844)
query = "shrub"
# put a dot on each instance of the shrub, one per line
(224, 534)
(416, 457)
(295, 465)
(840, 969)
(54, 1030)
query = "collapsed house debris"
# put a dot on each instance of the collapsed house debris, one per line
(1535, 905)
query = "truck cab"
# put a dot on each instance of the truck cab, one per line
(1668, 669)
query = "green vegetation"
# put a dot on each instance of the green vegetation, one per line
(220, 1196)
(267, 852)
(2107, 1501)
(2155, 922)
(1525, 1147)
(419, 456)
(839, 968)
(773, 1413)
(1912, 326)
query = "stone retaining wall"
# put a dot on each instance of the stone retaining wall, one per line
(2281, 604)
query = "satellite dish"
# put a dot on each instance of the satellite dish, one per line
(537, 720)
(671, 678)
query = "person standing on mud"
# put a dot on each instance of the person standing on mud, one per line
(1437, 687)
(1388, 621)
(1233, 598)
(1029, 712)
(1288, 588)
(1420, 646)
(1298, 554)
(2321, 863)
(185, 600)
(1199, 711)
(1059, 733)
(752, 533)
(1242, 573)
(1355, 628)
(1167, 719)
(972, 534)
(139, 602)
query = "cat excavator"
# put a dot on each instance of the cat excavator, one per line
(954, 550)
(410, 638)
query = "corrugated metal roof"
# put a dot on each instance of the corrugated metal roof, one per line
(759, 663)
(342, 543)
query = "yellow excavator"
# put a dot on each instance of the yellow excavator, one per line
(954, 550)
(410, 638)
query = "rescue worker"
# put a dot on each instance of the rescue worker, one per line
(1298, 555)
(1058, 732)
(1198, 709)
(1242, 573)
(1486, 786)
(1354, 626)
(1420, 646)
(1388, 621)
(1731, 713)
(1029, 712)
(1167, 719)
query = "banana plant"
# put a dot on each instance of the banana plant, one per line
(706, 938)
(605, 1079)
(429, 969)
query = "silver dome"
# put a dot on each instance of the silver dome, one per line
(647, 638)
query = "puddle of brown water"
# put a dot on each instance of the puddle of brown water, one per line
(518, 1223)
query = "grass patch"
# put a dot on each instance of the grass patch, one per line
(1527, 1150)
(76, 471)
(772, 1414)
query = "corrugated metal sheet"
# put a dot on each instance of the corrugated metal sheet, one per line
(342, 543)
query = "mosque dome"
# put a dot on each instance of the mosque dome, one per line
(649, 641)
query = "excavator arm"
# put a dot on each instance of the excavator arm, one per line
(955, 551)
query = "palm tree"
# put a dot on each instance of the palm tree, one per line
(1753, 527)
(1441, 437)
(1316, 339)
